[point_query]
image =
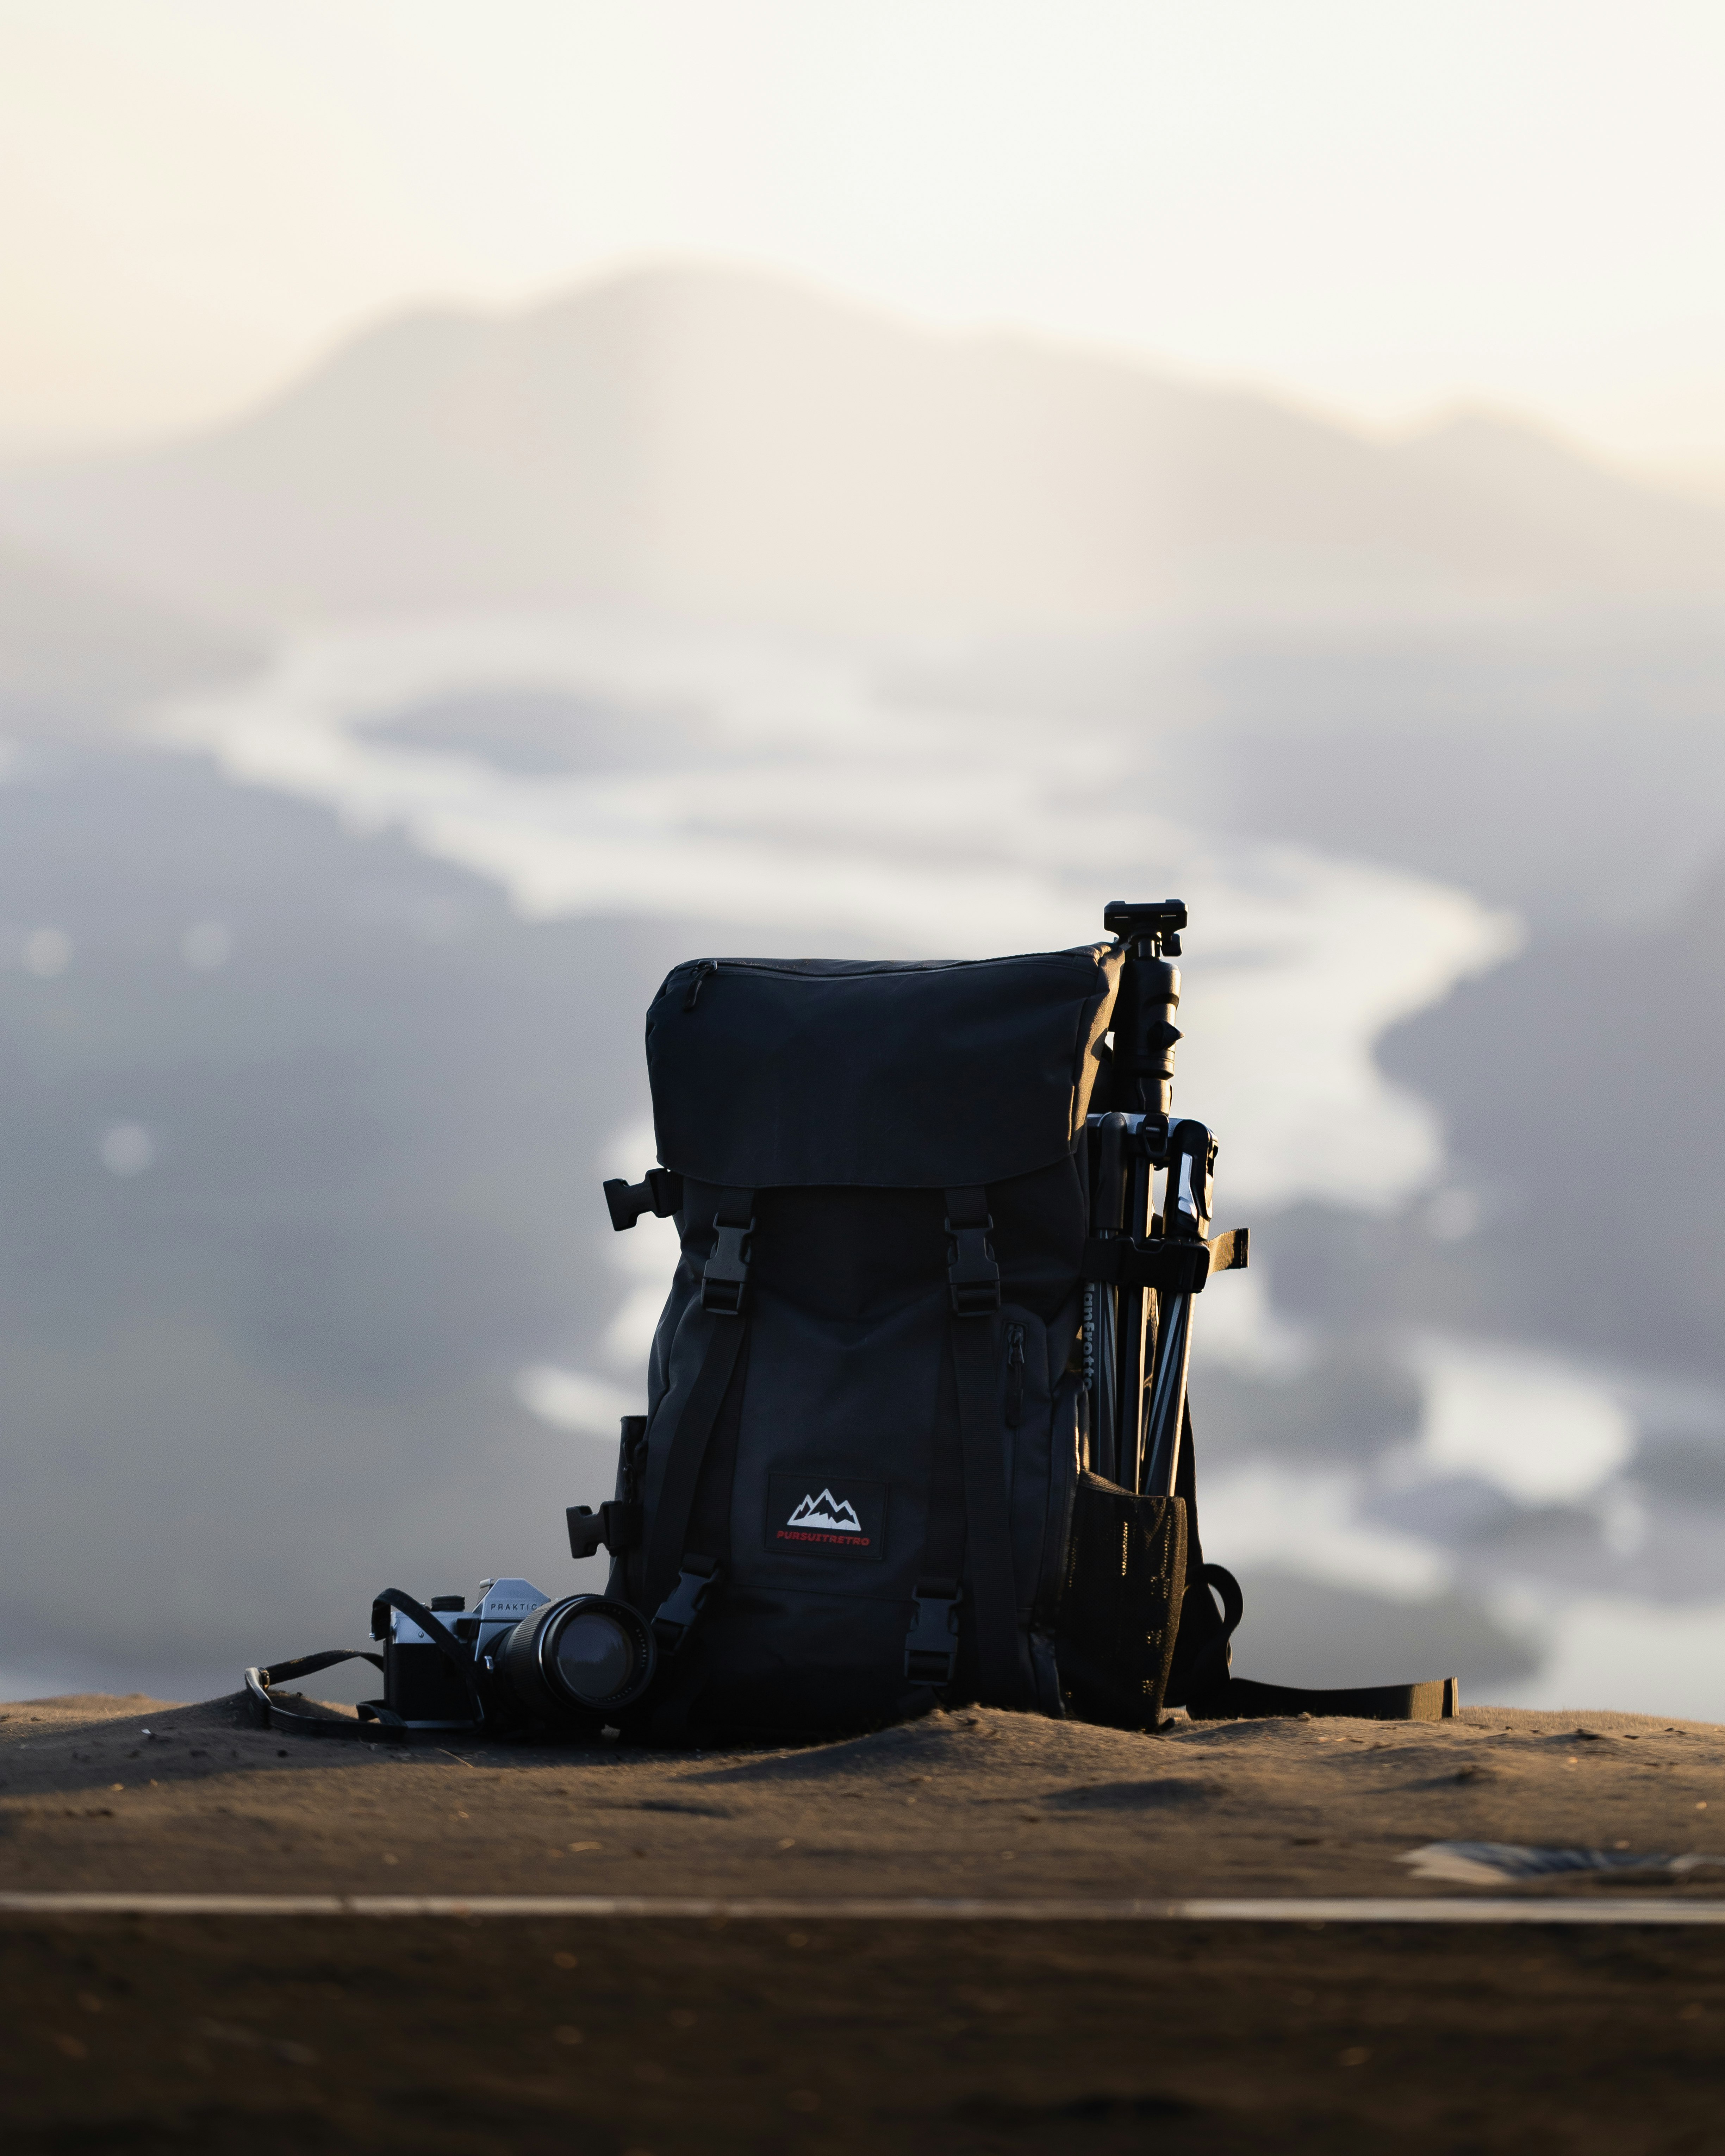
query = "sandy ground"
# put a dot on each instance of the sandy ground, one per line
(981, 1801)
(653, 2038)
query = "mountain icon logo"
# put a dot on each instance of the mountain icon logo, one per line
(826, 1511)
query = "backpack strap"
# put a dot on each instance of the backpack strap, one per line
(1202, 1682)
(724, 1300)
(1241, 1699)
(974, 1278)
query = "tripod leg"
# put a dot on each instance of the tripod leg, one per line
(1107, 1214)
(1168, 1396)
(1105, 1450)
(1186, 1209)
(1133, 1330)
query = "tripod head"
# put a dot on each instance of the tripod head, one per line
(1152, 928)
(1144, 1028)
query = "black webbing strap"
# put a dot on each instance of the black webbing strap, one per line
(709, 1529)
(727, 1318)
(975, 1283)
(706, 1553)
(931, 1645)
(682, 1467)
(678, 1621)
(1438, 1699)
(1211, 1693)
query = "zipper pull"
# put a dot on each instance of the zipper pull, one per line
(698, 981)
(1014, 1374)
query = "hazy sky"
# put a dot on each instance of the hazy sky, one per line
(1377, 206)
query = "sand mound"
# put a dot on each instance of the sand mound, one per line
(977, 1801)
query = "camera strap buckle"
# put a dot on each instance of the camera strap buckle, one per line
(682, 1608)
(931, 1645)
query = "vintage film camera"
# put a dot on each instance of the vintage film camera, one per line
(517, 1657)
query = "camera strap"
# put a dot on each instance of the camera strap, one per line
(373, 1719)
(303, 1717)
(442, 1638)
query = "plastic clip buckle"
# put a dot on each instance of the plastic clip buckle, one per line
(931, 1648)
(723, 1282)
(587, 1530)
(660, 1192)
(617, 1524)
(681, 1608)
(970, 1270)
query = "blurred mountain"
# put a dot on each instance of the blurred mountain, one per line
(702, 440)
(73, 651)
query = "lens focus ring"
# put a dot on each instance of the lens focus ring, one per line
(595, 1654)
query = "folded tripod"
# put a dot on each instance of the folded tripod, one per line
(1142, 1267)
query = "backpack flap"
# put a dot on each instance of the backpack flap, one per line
(769, 1074)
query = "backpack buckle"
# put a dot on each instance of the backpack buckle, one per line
(725, 1279)
(931, 1645)
(659, 1191)
(681, 1608)
(616, 1524)
(971, 1271)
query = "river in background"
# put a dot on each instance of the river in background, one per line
(588, 803)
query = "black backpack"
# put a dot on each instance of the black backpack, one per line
(917, 1429)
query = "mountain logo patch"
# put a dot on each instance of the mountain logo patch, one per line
(827, 1511)
(817, 1513)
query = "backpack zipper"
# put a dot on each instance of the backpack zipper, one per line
(863, 972)
(1014, 1374)
(703, 973)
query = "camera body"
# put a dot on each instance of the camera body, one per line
(519, 1657)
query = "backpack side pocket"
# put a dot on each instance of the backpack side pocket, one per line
(1124, 1579)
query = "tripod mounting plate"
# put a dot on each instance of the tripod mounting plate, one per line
(1177, 1265)
(1156, 921)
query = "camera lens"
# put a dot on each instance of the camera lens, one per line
(594, 1653)
(583, 1661)
(594, 1656)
